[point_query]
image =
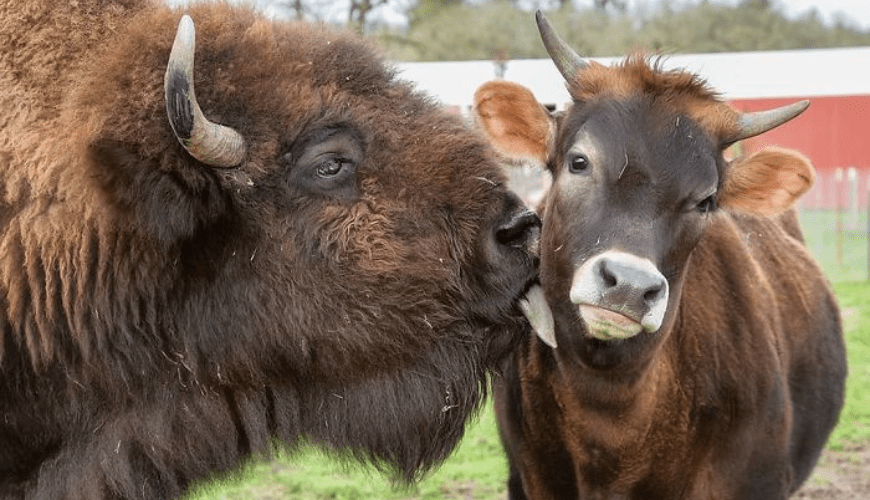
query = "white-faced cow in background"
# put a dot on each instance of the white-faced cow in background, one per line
(695, 350)
(307, 248)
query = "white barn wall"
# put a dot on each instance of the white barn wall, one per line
(737, 75)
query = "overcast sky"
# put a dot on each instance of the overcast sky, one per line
(856, 12)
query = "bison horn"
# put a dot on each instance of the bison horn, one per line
(208, 142)
(567, 61)
(759, 122)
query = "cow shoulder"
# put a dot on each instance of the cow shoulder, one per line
(514, 121)
(767, 182)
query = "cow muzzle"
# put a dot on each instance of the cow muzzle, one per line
(619, 295)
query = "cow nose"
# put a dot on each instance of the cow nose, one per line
(637, 283)
(521, 229)
(625, 284)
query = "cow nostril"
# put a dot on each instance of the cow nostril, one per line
(653, 294)
(607, 277)
(519, 230)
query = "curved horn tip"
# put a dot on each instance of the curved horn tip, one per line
(542, 20)
(796, 108)
(213, 144)
(566, 60)
(185, 37)
(803, 104)
(544, 25)
(185, 25)
(759, 122)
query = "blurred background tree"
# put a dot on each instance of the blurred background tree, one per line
(432, 30)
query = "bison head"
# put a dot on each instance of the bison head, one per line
(307, 246)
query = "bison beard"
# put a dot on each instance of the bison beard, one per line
(345, 268)
(405, 423)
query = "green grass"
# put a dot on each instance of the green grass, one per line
(841, 254)
(478, 469)
(854, 426)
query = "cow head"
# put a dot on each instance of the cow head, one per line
(639, 176)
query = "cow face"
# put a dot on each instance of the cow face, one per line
(635, 197)
(638, 177)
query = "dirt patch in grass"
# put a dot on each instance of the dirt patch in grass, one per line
(839, 475)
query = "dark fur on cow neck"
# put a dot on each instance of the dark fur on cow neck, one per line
(660, 432)
(161, 319)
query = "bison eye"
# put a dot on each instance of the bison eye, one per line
(706, 205)
(578, 164)
(326, 162)
(333, 167)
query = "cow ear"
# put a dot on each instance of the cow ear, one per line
(768, 182)
(513, 120)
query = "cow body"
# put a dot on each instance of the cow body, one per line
(343, 264)
(698, 348)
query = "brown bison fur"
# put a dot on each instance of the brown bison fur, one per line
(732, 392)
(161, 319)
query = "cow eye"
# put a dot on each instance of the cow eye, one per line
(578, 163)
(706, 205)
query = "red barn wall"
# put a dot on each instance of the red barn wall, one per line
(834, 132)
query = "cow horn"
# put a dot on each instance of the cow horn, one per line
(759, 122)
(208, 142)
(567, 61)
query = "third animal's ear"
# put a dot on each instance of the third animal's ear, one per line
(767, 182)
(514, 121)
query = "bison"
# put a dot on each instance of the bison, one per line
(304, 248)
(695, 349)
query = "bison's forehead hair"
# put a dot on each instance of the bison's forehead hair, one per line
(639, 76)
(243, 65)
(275, 83)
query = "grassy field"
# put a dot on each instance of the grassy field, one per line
(477, 470)
(854, 424)
(842, 254)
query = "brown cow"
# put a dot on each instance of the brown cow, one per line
(328, 255)
(696, 350)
